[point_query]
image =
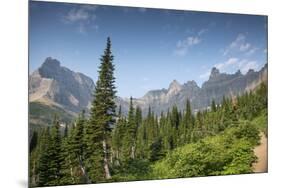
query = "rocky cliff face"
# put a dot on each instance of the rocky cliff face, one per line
(53, 84)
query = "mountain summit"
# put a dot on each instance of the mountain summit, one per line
(174, 87)
(53, 84)
(214, 73)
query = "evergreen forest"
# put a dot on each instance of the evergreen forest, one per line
(107, 146)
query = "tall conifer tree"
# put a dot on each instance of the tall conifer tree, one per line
(101, 120)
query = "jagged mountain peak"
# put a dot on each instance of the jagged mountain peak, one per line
(250, 71)
(214, 73)
(174, 85)
(191, 83)
(50, 63)
(238, 73)
(58, 85)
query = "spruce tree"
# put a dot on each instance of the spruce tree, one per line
(117, 137)
(73, 168)
(65, 131)
(130, 134)
(132, 129)
(213, 106)
(54, 151)
(138, 117)
(102, 119)
(42, 169)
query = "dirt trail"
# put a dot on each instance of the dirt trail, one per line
(261, 153)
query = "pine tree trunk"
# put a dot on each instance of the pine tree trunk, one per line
(106, 166)
(117, 157)
(71, 172)
(133, 152)
(111, 156)
(85, 174)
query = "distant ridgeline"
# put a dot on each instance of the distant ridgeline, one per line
(157, 137)
(54, 88)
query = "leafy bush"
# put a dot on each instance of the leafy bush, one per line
(230, 152)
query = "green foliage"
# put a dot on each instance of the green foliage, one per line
(156, 150)
(247, 130)
(230, 152)
(261, 122)
(131, 170)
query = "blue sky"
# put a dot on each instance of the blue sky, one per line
(152, 47)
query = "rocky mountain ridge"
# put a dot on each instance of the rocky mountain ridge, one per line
(215, 88)
(53, 84)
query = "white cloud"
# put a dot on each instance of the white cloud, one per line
(240, 44)
(195, 38)
(192, 41)
(202, 31)
(245, 47)
(76, 15)
(245, 65)
(205, 75)
(233, 64)
(82, 16)
(228, 63)
(183, 45)
(251, 51)
(239, 40)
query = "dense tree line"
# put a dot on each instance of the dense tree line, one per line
(109, 146)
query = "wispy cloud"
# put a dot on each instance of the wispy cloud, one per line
(205, 75)
(230, 62)
(202, 31)
(145, 79)
(245, 65)
(183, 45)
(233, 64)
(241, 45)
(245, 47)
(251, 51)
(83, 17)
(193, 39)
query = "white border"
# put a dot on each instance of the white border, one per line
(13, 94)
